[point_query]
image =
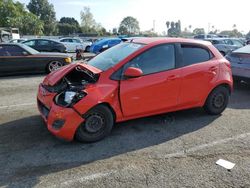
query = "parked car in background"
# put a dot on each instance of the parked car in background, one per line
(225, 45)
(20, 59)
(104, 44)
(46, 45)
(131, 80)
(17, 40)
(72, 44)
(240, 63)
(205, 36)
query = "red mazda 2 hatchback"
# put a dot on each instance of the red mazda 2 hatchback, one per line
(134, 79)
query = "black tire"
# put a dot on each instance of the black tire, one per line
(217, 101)
(87, 49)
(222, 53)
(98, 124)
(237, 80)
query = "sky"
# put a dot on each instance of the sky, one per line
(222, 14)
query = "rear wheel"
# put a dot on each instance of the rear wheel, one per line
(98, 124)
(53, 65)
(217, 101)
(222, 53)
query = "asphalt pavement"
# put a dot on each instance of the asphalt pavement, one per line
(171, 150)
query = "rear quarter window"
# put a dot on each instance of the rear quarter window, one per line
(195, 54)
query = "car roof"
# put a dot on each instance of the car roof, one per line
(43, 39)
(69, 38)
(169, 40)
(11, 44)
(108, 39)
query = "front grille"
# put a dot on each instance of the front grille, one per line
(43, 109)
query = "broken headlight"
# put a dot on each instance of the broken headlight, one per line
(69, 98)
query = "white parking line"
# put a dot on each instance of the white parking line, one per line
(68, 183)
(17, 105)
(183, 153)
(203, 146)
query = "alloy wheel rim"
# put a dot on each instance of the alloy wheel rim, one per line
(54, 65)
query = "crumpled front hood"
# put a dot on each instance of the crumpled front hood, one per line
(57, 75)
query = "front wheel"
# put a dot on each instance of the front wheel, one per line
(98, 124)
(53, 65)
(217, 101)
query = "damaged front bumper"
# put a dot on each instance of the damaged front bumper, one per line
(61, 122)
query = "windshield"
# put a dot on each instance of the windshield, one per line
(114, 55)
(29, 49)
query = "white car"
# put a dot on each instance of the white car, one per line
(74, 43)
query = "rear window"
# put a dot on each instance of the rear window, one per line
(194, 54)
(243, 50)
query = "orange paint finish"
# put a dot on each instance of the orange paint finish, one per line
(180, 88)
(72, 121)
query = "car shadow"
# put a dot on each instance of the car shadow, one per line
(28, 150)
(240, 98)
(19, 76)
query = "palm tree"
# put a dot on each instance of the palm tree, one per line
(190, 27)
(168, 24)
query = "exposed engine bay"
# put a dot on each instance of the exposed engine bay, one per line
(70, 87)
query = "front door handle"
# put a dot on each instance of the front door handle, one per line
(172, 77)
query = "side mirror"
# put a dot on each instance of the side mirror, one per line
(133, 72)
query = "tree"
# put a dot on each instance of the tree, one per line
(29, 24)
(168, 24)
(233, 33)
(13, 14)
(248, 35)
(129, 25)
(114, 31)
(88, 22)
(89, 25)
(68, 25)
(198, 31)
(175, 29)
(46, 13)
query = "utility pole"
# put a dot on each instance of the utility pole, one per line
(153, 25)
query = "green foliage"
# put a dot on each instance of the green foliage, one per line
(67, 26)
(248, 35)
(89, 25)
(175, 28)
(233, 33)
(129, 26)
(13, 14)
(199, 31)
(46, 13)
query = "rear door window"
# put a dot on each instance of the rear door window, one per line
(30, 43)
(193, 54)
(43, 42)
